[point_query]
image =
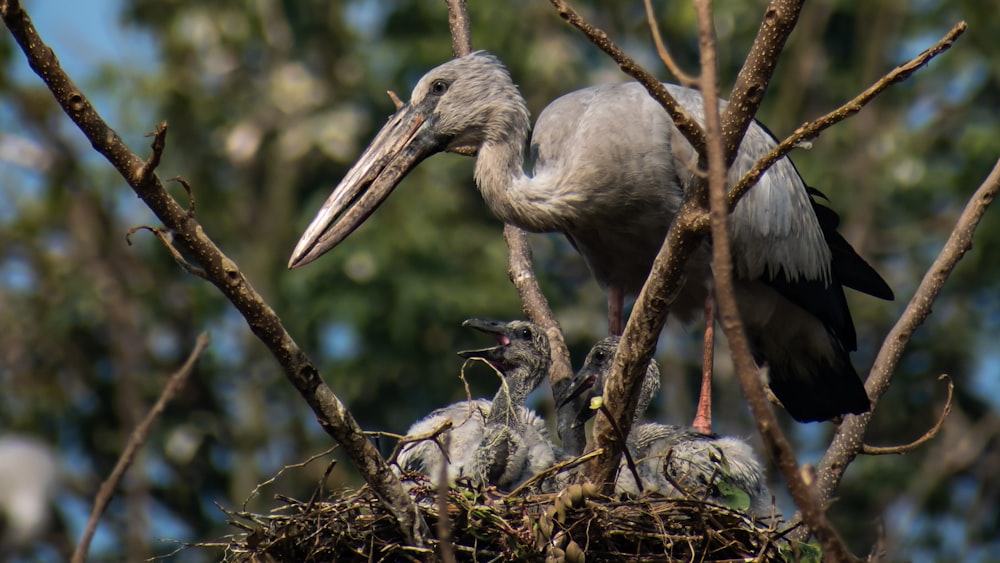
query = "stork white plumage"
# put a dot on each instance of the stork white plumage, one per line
(609, 171)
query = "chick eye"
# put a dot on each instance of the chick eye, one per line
(526, 333)
(439, 87)
(599, 355)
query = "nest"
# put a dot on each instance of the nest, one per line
(574, 525)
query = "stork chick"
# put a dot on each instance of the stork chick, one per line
(721, 469)
(498, 442)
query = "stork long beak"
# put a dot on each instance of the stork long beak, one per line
(580, 385)
(497, 329)
(404, 141)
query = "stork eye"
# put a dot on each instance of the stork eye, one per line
(439, 87)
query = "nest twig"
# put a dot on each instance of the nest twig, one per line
(485, 526)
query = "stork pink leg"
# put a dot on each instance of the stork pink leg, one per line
(703, 418)
(616, 310)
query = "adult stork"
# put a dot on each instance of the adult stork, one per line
(609, 171)
(723, 469)
(498, 442)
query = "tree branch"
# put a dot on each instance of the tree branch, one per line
(332, 414)
(135, 441)
(654, 29)
(458, 23)
(928, 436)
(725, 292)
(755, 74)
(813, 128)
(849, 439)
(520, 270)
(536, 307)
(687, 125)
(665, 280)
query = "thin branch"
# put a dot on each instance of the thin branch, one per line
(560, 467)
(729, 316)
(849, 439)
(685, 123)
(629, 462)
(446, 548)
(654, 28)
(755, 74)
(331, 412)
(535, 306)
(664, 282)
(159, 143)
(928, 436)
(458, 23)
(135, 441)
(256, 490)
(164, 236)
(187, 189)
(520, 270)
(813, 128)
(432, 435)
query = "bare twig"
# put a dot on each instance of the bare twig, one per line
(165, 237)
(331, 412)
(554, 470)
(755, 74)
(665, 280)
(159, 143)
(661, 49)
(187, 189)
(848, 441)
(458, 23)
(928, 436)
(256, 490)
(623, 438)
(135, 441)
(813, 128)
(446, 549)
(521, 272)
(535, 306)
(729, 316)
(685, 123)
(433, 435)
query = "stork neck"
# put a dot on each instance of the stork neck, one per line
(512, 394)
(512, 195)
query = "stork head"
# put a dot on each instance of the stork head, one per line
(459, 105)
(588, 383)
(520, 344)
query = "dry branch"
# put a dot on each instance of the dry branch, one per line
(813, 128)
(665, 279)
(654, 29)
(687, 125)
(520, 270)
(135, 441)
(332, 414)
(755, 74)
(927, 436)
(849, 439)
(719, 154)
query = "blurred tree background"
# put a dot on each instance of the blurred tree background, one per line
(269, 102)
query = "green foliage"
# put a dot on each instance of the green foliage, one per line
(270, 102)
